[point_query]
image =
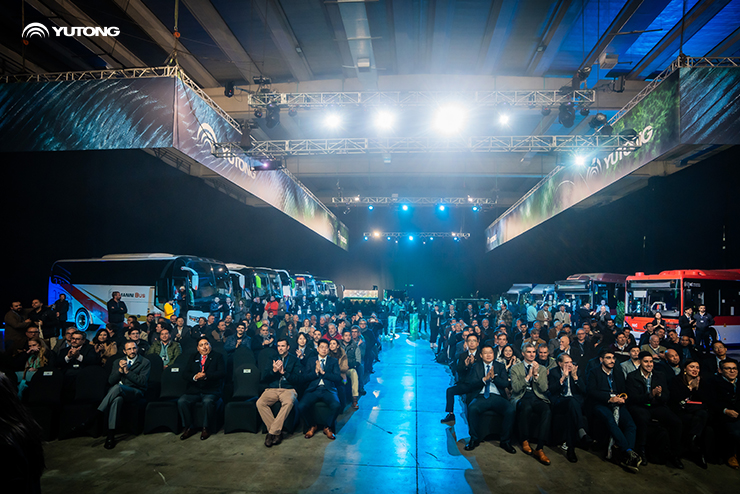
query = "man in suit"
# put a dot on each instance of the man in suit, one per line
(280, 376)
(648, 400)
(568, 394)
(671, 366)
(725, 407)
(321, 372)
(463, 364)
(204, 373)
(528, 392)
(710, 365)
(686, 349)
(436, 323)
(78, 354)
(607, 399)
(129, 378)
(487, 381)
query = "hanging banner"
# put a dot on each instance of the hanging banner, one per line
(655, 120)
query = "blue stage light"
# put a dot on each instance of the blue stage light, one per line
(365, 237)
(411, 237)
(371, 207)
(405, 207)
(476, 208)
(441, 207)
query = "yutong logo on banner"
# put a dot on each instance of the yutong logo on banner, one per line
(41, 31)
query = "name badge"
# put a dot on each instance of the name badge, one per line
(48, 373)
(247, 371)
(174, 369)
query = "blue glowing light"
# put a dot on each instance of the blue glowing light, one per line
(476, 208)
(371, 207)
(411, 237)
(441, 207)
(405, 207)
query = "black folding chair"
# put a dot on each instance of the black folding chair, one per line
(91, 387)
(163, 412)
(43, 399)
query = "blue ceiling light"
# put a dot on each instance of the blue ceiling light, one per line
(389, 238)
(365, 237)
(476, 209)
(405, 207)
(411, 237)
(371, 207)
(441, 207)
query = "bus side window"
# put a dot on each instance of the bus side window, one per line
(162, 288)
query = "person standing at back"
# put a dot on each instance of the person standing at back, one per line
(117, 311)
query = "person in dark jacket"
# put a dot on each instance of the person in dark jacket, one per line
(280, 377)
(16, 323)
(648, 400)
(688, 401)
(204, 373)
(687, 323)
(725, 408)
(117, 311)
(567, 394)
(321, 372)
(704, 336)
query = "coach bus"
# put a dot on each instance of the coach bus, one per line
(592, 288)
(288, 283)
(250, 282)
(305, 284)
(146, 282)
(671, 292)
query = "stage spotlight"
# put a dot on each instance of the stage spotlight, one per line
(365, 237)
(257, 113)
(441, 207)
(246, 140)
(292, 112)
(567, 115)
(584, 111)
(449, 119)
(598, 120)
(411, 237)
(545, 111)
(273, 115)
(503, 119)
(476, 209)
(457, 239)
(579, 160)
(333, 120)
(371, 207)
(405, 207)
(229, 89)
(388, 238)
(384, 120)
(431, 238)
(583, 74)
(606, 130)
(376, 234)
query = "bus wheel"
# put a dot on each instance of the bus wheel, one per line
(82, 319)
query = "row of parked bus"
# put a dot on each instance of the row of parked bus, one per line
(642, 295)
(148, 281)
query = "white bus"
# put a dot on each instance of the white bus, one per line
(146, 283)
(250, 282)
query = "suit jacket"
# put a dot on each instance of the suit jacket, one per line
(138, 374)
(474, 381)
(723, 396)
(292, 376)
(519, 385)
(598, 390)
(638, 392)
(556, 390)
(214, 368)
(89, 357)
(462, 370)
(332, 377)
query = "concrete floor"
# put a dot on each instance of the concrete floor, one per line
(393, 444)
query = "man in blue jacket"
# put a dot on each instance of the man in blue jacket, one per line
(321, 372)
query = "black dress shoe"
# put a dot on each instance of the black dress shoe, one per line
(268, 440)
(701, 461)
(472, 445)
(277, 439)
(676, 462)
(643, 458)
(508, 448)
(187, 433)
(110, 442)
(571, 455)
(449, 418)
(204, 434)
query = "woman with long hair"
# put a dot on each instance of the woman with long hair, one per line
(20, 443)
(37, 357)
(336, 351)
(104, 345)
(688, 400)
(306, 328)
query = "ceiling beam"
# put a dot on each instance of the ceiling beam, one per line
(66, 13)
(443, 12)
(498, 27)
(282, 35)
(729, 44)
(331, 11)
(210, 19)
(696, 18)
(17, 59)
(405, 37)
(565, 15)
(357, 28)
(622, 18)
(153, 27)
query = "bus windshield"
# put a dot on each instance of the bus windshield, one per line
(276, 286)
(645, 298)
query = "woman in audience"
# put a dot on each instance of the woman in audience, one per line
(306, 328)
(337, 352)
(302, 349)
(688, 401)
(507, 357)
(104, 346)
(240, 311)
(659, 323)
(37, 356)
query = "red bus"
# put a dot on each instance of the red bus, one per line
(670, 292)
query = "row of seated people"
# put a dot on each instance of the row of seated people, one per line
(317, 375)
(678, 393)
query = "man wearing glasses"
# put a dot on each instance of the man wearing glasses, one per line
(725, 406)
(79, 354)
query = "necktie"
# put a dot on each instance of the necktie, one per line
(487, 392)
(322, 364)
(203, 363)
(567, 386)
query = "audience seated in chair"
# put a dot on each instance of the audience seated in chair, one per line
(280, 376)
(204, 372)
(321, 372)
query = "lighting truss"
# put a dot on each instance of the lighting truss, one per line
(420, 235)
(143, 73)
(387, 145)
(419, 201)
(681, 61)
(526, 99)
